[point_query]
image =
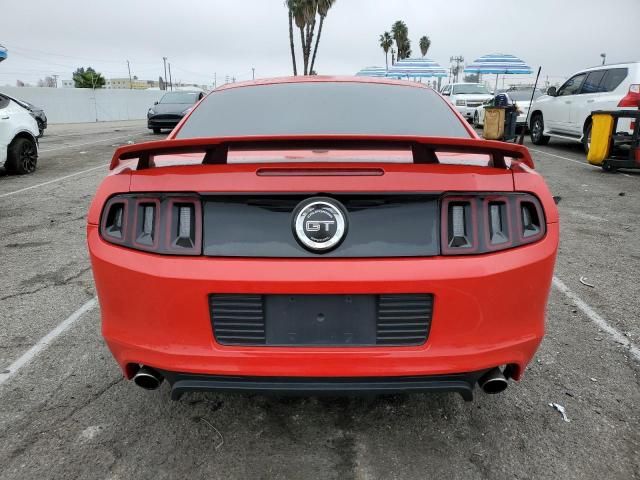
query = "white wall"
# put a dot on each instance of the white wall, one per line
(77, 105)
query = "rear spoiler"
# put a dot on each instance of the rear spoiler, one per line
(424, 149)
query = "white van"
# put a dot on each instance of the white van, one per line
(566, 112)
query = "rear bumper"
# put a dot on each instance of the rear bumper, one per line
(489, 310)
(462, 383)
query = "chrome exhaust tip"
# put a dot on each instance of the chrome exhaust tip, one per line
(147, 378)
(493, 381)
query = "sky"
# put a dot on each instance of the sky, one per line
(219, 38)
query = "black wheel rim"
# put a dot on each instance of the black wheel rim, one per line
(537, 130)
(28, 157)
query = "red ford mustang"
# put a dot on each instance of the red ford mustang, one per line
(321, 234)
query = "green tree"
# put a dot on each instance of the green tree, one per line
(88, 78)
(425, 43)
(386, 42)
(305, 13)
(400, 33)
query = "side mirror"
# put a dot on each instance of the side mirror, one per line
(552, 92)
(156, 102)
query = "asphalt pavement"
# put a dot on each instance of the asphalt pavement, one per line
(67, 412)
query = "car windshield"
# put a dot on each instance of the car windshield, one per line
(323, 108)
(523, 95)
(470, 89)
(180, 97)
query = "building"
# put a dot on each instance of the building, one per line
(68, 84)
(125, 83)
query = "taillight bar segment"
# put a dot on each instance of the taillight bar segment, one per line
(158, 223)
(477, 223)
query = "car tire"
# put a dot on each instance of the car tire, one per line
(537, 127)
(475, 119)
(607, 167)
(586, 138)
(22, 156)
(156, 130)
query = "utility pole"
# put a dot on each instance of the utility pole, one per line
(253, 73)
(170, 81)
(130, 82)
(55, 78)
(164, 59)
(458, 60)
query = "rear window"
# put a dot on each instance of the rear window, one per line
(180, 97)
(470, 89)
(323, 108)
(613, 79)
(522, 95)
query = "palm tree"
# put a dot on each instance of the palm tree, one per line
(425, 43)
(401, 37)
(290, 4)
(304, 14)
(323, 8)
(386, 42)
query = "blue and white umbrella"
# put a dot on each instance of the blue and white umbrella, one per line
(416, 68)
(499, 64)
(3, 53)
(372, 72)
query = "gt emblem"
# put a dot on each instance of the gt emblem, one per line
(319, 224)
(316, 225)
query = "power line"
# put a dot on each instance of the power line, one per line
(11, 47)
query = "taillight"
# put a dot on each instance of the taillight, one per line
(632, 98)
(159, 223)
(482, 223)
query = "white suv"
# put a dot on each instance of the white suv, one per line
(18, 133)
(566, 112)
(466, 97)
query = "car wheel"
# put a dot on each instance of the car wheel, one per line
(475, 119)
(22, 156)
(156, 130)
(586, 139)
(537, 128)
(607, 167)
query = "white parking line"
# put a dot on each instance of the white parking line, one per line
(597, 319)
(584, 164)
(91, 143)
(45, 341)
(570, 160)
(59, 179)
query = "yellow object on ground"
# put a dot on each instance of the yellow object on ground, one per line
(601, 131)
(493, 123)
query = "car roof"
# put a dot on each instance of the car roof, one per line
(323, 79)
(607, 65)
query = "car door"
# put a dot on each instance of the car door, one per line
(583, 104)
(557, 112)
